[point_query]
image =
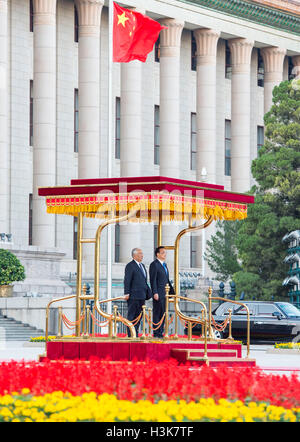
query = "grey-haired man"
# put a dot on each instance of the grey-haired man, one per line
(136, 289)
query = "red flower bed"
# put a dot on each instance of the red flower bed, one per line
(153, 381)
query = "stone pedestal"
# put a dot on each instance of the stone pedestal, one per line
(42, 269)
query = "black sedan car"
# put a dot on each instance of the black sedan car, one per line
(269, 321)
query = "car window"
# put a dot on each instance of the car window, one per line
(289, 309)
(223, 308)
(241, 310)
(236, 309)
(267, 309)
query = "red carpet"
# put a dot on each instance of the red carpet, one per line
(183, 351)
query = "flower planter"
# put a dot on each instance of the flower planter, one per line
(6, 291)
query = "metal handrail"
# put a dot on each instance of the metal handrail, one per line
(210, 298)
(89, 297)
(188, 319)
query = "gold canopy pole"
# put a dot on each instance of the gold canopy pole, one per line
(159, 230)
(79, 272)
(176, 266)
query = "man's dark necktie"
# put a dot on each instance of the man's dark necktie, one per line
(166, 268)
(143, 270)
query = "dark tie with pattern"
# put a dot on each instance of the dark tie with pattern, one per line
(143, 270)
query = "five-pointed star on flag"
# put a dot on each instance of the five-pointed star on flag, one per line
(122, 19)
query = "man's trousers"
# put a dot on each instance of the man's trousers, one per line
(134, 310)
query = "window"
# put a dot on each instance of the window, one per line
(76, 109)
(75, 230)
(118, 129)
(117, 243)
(260, 137)
(156, 134)
(76, 25)
(291, 69)
(157, 50)
(260, 69)
(193, 53)
(267, 309)
(228, 63)
(30, 220)
(193, 141)
(243, 311)
(31, 15)
(193, 252)
(31, 113)
(227, 147)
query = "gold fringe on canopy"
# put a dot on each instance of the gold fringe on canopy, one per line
(147, 205)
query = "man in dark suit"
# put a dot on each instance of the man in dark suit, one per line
(136, 288)
(159, 278)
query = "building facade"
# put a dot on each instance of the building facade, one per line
(194, 110)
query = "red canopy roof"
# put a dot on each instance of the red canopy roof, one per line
(182, 197)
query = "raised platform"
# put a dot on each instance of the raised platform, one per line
(228, 353)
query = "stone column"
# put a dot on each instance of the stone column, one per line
(207, 40)
(4, 147)
(44, 117)
(89, 17)
(241, 50)
(170, 43)
(169, 153)
(131, 144)
(273, 58)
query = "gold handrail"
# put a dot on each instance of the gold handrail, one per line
(210, 298)
(190, 320)
(89, 297)
(176, 265)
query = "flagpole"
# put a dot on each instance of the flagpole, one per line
(109, 153)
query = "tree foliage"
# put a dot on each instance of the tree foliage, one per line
(221, 252)
(277, 199)
(255, 244)
(11, 269)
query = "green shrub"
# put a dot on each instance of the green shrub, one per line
(11, 269)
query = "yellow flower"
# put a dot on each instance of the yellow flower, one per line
(25, 391)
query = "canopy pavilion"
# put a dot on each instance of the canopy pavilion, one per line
(155, 199)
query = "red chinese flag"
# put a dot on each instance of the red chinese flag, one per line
(134, 35)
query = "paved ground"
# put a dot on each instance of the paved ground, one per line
(280, 363)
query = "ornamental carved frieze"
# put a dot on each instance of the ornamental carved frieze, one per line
(44, 12)
(170, 38)
(273, 58)
(241, 51)
(89, 16)
(207, 40)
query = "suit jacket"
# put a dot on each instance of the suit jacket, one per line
(135, 282)
(159, 279)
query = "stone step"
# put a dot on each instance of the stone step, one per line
(190, 355)
(12, 330)
(215, 357)
(231, 362)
